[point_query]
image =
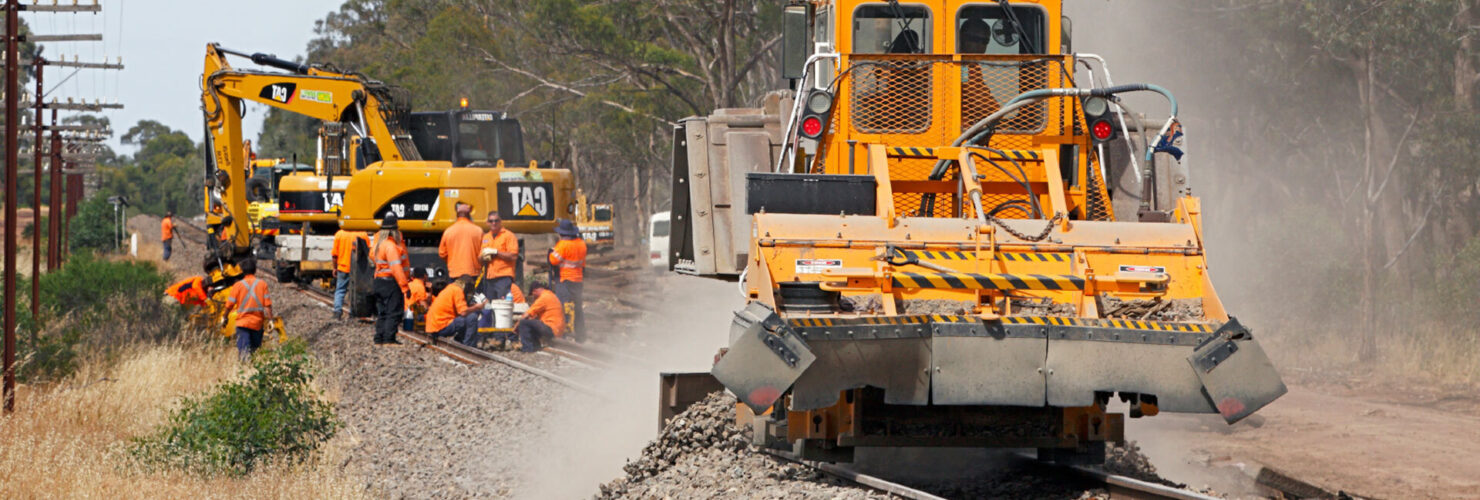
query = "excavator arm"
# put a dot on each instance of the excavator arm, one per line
(372, 109)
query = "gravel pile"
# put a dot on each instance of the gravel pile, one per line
(1154, 309)
(701, 454)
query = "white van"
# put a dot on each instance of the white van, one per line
(658, 229)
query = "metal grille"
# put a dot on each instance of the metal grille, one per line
(1096, 198)
(987, 85)
(893, 97)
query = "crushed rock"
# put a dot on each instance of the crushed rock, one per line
(1127, 460)
(702, 454)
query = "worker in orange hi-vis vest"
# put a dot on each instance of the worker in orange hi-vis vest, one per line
(500, 252)
(544, 320)
(167, 233)
(253, 309)
(569, 257)
(392, 279)
(460, 244)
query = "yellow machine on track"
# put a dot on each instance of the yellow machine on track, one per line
(369, 164)
(952, 234)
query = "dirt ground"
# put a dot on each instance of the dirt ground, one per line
(1376, 440)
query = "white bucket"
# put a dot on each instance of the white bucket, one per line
(503, 313)
(520, 308)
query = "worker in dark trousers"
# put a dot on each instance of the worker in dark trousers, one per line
(569, 256)
(544, 321)
(167, 234)
(253, 309)
(392, 278)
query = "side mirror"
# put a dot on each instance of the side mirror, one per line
(796, 41)
(1066, 40)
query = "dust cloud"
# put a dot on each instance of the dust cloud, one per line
(587, 442)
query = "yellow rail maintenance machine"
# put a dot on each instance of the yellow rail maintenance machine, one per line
(953, 233)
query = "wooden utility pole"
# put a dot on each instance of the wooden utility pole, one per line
(12, 129)
(36, 198)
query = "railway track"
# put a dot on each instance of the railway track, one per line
(467, 354)
(1117, 486)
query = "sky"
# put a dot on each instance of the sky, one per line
(162, 43)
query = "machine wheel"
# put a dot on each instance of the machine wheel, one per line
(258, 189)
(361, 275)
(286, 272)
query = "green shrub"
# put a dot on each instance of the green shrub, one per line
(274, 415)
(94, 228)
(93, 307)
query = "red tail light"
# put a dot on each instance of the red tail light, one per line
(812, 127)
(657, 255)
(1102, 130)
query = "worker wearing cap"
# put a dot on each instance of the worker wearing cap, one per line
(450, 315)
(167, 233)
(392, 266)
(544, 320)
(974, 37)
(253, 307)
(343, 254)
(500, 252)
(569, 256)
(460, 243)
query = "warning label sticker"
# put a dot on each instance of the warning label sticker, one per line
(1142, 269)
(816, 266)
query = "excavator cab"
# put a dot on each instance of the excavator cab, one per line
(468, 137)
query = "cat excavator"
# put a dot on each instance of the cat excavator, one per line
(368, 166)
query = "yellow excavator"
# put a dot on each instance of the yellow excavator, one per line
(949, 232)
(369, 164)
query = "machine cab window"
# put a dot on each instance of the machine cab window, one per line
(891, 29)
(988, 29)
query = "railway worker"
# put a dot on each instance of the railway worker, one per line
(460, 242)
(974, 37)
(253, 309)
(167, 233)
(417, 299)
(569, 256)
(500, 252)
(544, 320)
(518, 295)
(391, 279)
(190, 291)
(343, 253)
(450, 315)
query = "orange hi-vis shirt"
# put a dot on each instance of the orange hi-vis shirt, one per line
(189, 291)
(505, 242)
(516, 292)
(570, 257)
(547, 309)
(416, 292)
(448, 305)
(167, 229)
(249, 298)
(343, 250)
(391, 261)
(460, 245)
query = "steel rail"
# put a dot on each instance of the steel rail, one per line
(859, 478)
(1125, 486)
(605, 355)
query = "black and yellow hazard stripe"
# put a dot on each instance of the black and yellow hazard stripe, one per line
(1006, 256)
(1034, 257)
(974, 281)
(1123, 324)
(922, 319)
(912, 152)
(1011, 154)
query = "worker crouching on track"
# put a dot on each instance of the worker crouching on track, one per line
(190, 291)
(569, 256)
(417, 299)
(392, 270)
(500, 251)
(253, 309)
(450, 315)
(343, 253)
(544, 320)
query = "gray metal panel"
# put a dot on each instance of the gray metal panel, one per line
(898, 366)
(1078, 368)
(1238, 376)
(987, 370)
(748, 150)
(700, 202)
(764, 360)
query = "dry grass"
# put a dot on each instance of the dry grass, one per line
(69, 440)
(1426, 352)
